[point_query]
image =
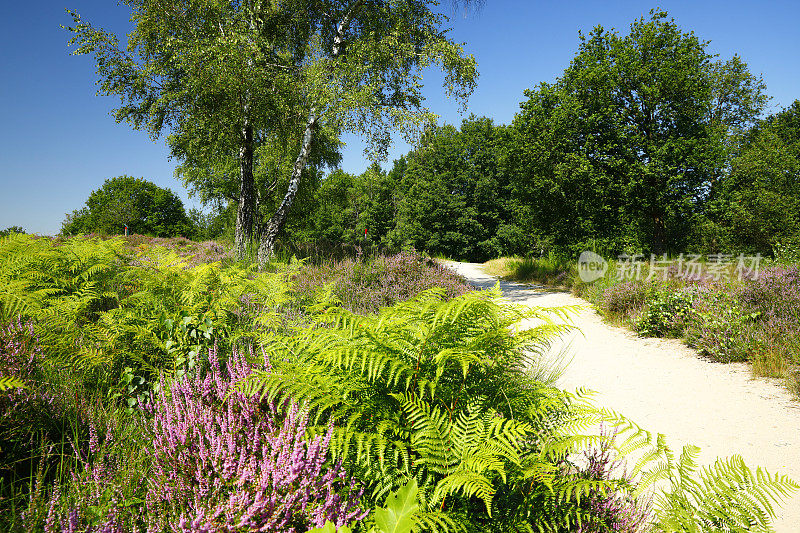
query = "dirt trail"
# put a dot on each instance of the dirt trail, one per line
(663, 386)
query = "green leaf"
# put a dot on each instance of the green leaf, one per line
(330, 528)
(10, 382)
(401, 508)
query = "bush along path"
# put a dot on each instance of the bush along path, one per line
(664, 386)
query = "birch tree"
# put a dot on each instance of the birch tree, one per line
(214, 75)
(363, 74)
(231, 75)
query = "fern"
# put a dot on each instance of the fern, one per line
(10, 382)
(725, 497)
(98, 309)
(437, 391)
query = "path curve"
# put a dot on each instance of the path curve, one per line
(662, 385)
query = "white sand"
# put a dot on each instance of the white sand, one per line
(665, 387)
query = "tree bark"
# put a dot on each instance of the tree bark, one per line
(659, 232)
(269, 231)
(245, 212)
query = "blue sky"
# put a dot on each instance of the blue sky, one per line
(58, 141)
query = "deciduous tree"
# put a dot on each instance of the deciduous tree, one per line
(625, 145)
(140, 205)
(227, 76)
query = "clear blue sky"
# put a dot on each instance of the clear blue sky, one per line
(58, 141)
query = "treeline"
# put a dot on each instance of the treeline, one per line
(488, 190)
(647, 143)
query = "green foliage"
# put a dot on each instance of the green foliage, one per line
(346, 205)
(437, 407)
(623, 147)
(446, 394)
(256, 83)
(329, 527)
(400, 511)
(757, 204)
(721, 328)
(98, 309)
(212, 225)
(399, 515)
(11, 229)
(727, 497)
(455, 196)
(548, 270)
(11, 382)
(666, 312)
(142, 206)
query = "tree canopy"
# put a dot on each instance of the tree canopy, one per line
(228, 78)
(142, 206)
(11, 230)
(758, 204)
(455, 194)
(631, 136)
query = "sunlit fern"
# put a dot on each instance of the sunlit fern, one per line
(11, 382)
(435, 390)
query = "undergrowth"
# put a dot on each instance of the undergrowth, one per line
(143, 390)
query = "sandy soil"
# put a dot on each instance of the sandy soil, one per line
(663, 386)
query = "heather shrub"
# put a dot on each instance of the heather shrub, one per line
(33, 415)
(623, 300)
(365, 286)
(206, 458)
(755, 320)
(719, 328)
(227, 461)
(194, 253)
(775, 294)
(614, 509)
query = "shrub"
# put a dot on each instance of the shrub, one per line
(365, 286)
(623, 299)
(666, 313)
(33, 413)
(216, 460)
(613, 510)
(775, 294)
(719, 327)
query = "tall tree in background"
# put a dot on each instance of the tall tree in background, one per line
(455, 194)
(758, 202)
(632, 135)
(363, 75)
(226, 77)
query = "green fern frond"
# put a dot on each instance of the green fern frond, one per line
(727, 496)
(11, 382)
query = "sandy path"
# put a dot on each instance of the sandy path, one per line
(663, 386)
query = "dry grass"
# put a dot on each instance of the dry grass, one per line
(549, 271)
(502, 267)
